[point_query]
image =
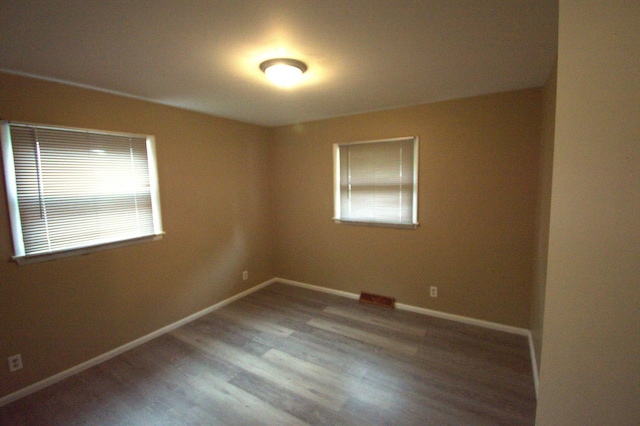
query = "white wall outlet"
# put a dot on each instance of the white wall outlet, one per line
(15, 362)
(434, 291)
(245, 275)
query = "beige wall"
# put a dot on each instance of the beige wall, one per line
(214, 189)
(477, 202)
(543, 213)
(590, 370)
(237, 196)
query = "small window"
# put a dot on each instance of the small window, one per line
(74, 191)
(376, 182)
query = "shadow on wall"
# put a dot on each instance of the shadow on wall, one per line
(209, 275)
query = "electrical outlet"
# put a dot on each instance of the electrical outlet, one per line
(15, 363)
(434, 291)
(245, 275)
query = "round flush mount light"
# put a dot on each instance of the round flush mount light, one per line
(283, 72)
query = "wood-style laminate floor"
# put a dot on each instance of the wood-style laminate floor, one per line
(290, 356)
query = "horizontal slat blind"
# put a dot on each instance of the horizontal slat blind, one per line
(377, 182)
(80, 188)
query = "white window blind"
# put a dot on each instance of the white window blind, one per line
(376, 182)
(73, 189)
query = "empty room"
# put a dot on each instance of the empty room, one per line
(429, 216)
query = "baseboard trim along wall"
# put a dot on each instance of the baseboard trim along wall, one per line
(534, 363)
(124, 348)
(410, 308)
(437, 314)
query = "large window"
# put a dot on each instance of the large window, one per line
(72, 191)
(376, 182)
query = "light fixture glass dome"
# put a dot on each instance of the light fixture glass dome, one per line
(283, 72)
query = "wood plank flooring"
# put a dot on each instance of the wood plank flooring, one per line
(290, 356)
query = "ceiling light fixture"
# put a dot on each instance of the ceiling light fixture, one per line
(283, 72)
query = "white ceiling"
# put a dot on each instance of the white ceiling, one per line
(363, 55)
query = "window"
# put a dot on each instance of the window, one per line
(376, 182)
(73, 191)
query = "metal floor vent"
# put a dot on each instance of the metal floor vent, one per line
(375, 299)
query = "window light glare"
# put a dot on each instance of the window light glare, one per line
(283, 72)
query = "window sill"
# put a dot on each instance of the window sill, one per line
(377, 224)
(45, 257)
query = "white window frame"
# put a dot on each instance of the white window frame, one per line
(339, 217)
(21, 256)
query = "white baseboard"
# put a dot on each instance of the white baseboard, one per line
(437, 314)
(124, 348)
(534, 364)
(463, 319)
(410, 308)
(317, 288)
